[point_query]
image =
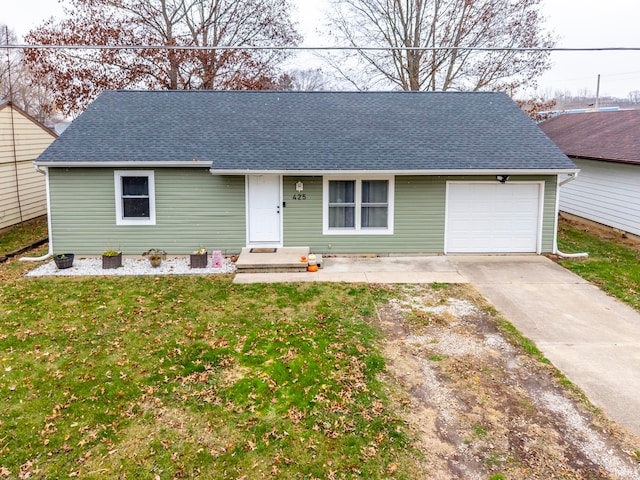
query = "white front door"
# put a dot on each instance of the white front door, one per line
(263, 210)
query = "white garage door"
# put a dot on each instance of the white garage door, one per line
(493, 217)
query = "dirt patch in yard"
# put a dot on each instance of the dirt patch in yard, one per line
(483, 408)
(603, 232)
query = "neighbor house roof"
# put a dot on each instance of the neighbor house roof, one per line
(32, 119)
(609, 136)
(307, 132)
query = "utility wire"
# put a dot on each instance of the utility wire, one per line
(367, 49)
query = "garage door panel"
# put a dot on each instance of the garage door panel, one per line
(493, 217)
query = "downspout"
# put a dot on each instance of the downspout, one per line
(45, 172)
(560, 254)
(570, 178)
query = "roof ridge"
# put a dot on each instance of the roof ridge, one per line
(333, 92)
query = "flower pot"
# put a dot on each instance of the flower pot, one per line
(63, 260)
(155, 256)
(198, 260)
(112, 261)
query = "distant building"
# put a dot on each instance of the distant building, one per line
(22, 188)
(606, 148)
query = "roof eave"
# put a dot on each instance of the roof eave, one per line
(29, 117)
(121, 164)
(475, 172)
(601, 159)
(304, 172)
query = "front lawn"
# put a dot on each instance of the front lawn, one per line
(195, 377)
(611, 265)
(192, 376)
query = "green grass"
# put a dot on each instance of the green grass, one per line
(193, 376)
(480, 431)
(21, 235)
(613, 267)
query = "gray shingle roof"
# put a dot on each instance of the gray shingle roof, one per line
(308, 131)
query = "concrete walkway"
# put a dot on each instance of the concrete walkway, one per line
(592, 338)
(417, 269)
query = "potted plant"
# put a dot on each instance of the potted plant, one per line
(63, 260)
(199, 258)
(111, 259)
(155, 256)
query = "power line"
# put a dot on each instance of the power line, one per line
(323, 48)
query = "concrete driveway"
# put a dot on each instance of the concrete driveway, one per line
(592, 338)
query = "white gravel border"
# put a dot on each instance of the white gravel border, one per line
(130, 266)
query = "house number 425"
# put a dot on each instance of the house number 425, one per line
(299, 196)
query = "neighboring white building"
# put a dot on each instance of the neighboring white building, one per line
(22, 188)
(606, 148)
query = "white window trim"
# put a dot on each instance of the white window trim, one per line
(357, 230)
(117, 178)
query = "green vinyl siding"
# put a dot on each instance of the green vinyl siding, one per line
(193, 209)
(419, 207)
(419, 211)
(550, 214)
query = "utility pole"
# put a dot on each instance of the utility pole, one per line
(598, 94)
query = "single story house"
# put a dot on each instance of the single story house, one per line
(22, 189)
(338, 172)
(606, 148)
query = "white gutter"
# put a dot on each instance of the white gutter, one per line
(50, 252)
(457, 172)
(571, 178)
(124, 164)
(308, 172)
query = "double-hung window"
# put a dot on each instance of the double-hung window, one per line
(135, 197)
(358, 206)
(342, 204)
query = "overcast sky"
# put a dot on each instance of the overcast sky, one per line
(577, 23)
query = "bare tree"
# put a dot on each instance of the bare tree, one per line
(9, 62)
(79, 76)
(508, 24)
(313, 79)
(584, 94)
(18, 86)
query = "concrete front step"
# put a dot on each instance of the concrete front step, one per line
(285, 259)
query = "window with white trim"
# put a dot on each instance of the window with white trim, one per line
(358, 205)
(135, 197)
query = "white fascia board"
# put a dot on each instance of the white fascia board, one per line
(108, 164)
(392, 172)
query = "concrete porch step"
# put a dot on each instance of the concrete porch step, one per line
(285, 259)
